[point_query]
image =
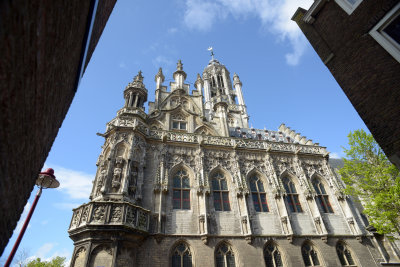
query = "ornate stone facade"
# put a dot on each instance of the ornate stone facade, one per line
(189, 184)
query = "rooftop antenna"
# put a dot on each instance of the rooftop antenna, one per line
(212, 52)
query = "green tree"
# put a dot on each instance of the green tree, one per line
(371, 178)
(55, 262)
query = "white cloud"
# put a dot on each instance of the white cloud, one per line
(47, 252)
(76, 184)
(275, 15)
(172, 30)
(23, 217)
(334, 155)
(162, 61)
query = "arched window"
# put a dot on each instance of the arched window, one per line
(292, 197)
(181, 190)
(213, 84)
(322, 196)
(224, 256)
(258, 194)
(344, 255)
(220, 192)
(272, 256)
(310, 255)
(181, 256)
(220, 81)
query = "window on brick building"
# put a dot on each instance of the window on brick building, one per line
(292, 197)
(344, 254)
(348, 5)
(224, 256)
(272, 256)
(181, 190)
(387, 32)
(181, 256)
(322, 196)
(310, 255)
(220, 192)
(258, 194)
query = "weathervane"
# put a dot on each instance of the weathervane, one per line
(212, 52)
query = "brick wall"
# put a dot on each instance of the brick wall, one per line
(368, 75)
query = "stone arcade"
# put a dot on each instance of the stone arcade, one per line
(190, 184)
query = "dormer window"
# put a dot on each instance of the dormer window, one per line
(179, 123)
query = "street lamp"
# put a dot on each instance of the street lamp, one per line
(45, 180)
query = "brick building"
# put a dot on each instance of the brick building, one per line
(45, 46)
(190, 184)
(359, 42)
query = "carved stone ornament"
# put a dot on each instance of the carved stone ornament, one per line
(116, 214)
(99, 213)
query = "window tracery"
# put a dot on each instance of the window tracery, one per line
(272, 256)
(310, 255)
(224, 256)
(181, 256)
(181, 190)
(179, 122)
(292, 197)
(344, 254)
(322, 196)
(220, 192)
(258, 194)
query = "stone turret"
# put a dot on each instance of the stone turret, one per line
(135, 93)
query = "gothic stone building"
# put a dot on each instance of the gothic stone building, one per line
(190, 184)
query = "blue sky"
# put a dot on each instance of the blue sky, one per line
(284, 81)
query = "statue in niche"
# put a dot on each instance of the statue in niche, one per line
(132, 181)
(116, 180)
(100, 182)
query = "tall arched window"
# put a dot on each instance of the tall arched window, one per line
(292, 197)
(220, 192)
(272, 256)
(258, 194)
(344, 255)
(181, 256)
(181, 190)
(220, 80)
(310, 255)
(224, 256)
(322, 196)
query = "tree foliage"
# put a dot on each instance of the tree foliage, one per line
(374, 180)
(55, 262)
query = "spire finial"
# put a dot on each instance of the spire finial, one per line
(139, 77)
(179, 65)
(212, 52)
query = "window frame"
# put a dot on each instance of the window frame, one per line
(387, 42)
(224, 254)
(348, 7)
(181, 254)
(322, 198)
(309, 255)
(258, 193)
(344, 255)
(291, 196)
(271, 254)
(183, 174)
(218, 176)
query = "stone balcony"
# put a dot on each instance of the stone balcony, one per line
(110, 214)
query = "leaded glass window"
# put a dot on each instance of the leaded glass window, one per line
(181, 257)
(310, 255)
(292, 197)
(224, 256)
(322, 196)
(272, 256)
(258, 194)
(344, 255)
(220, 192)
(181, 190)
